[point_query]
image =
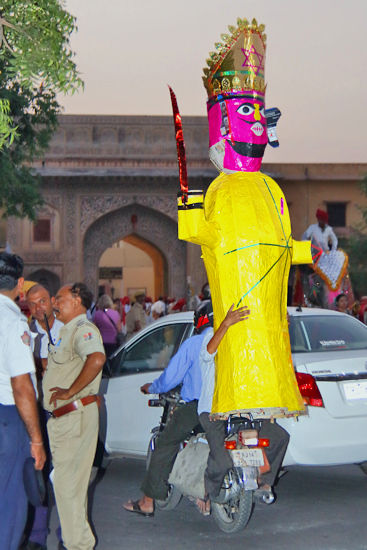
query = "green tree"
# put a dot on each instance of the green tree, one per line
(36, 62)
(7, 129)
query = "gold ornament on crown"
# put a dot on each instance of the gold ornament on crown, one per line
(238, 64)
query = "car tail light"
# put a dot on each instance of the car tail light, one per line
(309, 390)
(230, 445)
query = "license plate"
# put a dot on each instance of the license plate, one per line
(355, 390)
(247, 457)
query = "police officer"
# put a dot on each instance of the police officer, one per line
(70, 387)
(20, 434)
(46, 328)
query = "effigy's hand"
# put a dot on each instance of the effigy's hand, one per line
(235, 316)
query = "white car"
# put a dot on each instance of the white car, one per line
(329, 351)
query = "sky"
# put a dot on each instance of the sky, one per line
(127, 51)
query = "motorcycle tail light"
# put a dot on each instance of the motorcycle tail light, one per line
(309, 390)
(230, 445)
(263, 442)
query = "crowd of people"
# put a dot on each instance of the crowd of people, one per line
(50, 371)
(120, 319)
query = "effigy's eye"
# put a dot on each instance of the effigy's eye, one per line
(245, 109)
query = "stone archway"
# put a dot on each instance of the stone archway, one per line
(145, 223)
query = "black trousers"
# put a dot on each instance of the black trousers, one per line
(279, 439)
(219, 459)
(183, 420)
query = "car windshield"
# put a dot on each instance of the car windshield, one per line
(315, 333)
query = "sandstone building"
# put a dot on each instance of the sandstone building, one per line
(111, 178)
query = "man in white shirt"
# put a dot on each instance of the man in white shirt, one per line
(321, 233)
(20, 434)
(219, 460)
(44, 322)
(46, 328)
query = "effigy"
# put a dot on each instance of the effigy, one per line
(244, 230)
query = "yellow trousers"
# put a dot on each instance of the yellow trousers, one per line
(73, 440)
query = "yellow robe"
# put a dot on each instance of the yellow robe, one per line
(247, 246)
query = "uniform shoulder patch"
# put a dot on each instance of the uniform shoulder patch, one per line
(26, 338)
(88, 336)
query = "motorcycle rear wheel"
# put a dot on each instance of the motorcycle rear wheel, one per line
(234, 515)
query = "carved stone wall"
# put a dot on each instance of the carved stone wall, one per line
(151, 225)
(95, 205)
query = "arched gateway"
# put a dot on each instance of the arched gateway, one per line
(148, 224)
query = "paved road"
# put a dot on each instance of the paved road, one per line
(317, 508)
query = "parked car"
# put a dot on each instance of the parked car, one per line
(329, 351)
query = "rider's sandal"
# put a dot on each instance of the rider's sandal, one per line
(205, 510)
(137, 510)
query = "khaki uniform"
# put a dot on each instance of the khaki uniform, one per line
(73, 436)
(136, 313)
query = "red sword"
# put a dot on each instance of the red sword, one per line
(181, 153)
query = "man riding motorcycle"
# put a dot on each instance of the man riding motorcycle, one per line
(219, 461)
(183, 368)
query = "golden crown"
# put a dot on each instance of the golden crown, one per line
(238, 64)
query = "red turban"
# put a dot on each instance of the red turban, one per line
(322, 215)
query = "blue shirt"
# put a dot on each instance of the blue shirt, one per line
(184, 368)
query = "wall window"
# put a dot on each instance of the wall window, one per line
(42, 231)
(337, 213)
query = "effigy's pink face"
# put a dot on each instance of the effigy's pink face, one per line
(241, 124)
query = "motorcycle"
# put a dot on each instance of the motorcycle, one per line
(233, 507)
